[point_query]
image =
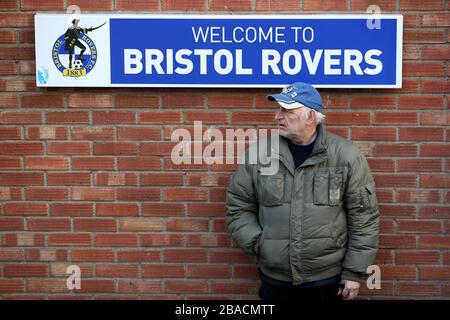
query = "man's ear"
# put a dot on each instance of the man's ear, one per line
(311, 116)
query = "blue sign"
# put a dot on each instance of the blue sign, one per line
(334, 51)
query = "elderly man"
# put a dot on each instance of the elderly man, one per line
(314, 224)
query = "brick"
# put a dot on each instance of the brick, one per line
(116, 209)
(24, 239)
(141, 224)
(138, 133)
(198, 5)
(206, 117)
(434, 273)
(253, 117)
(139, 163)
(374, 134)
(10, 286)
(229, 256)
(395, 149)
(45, 193)
(435, 211)
(348, 118)
(162, 240)
(93, 133)
(232, 286)
(21, 148)
(140, 286)
(434, 242)
(68, 178)
(138, 194)
(186, 286)
(139, 255)
(114, 148)
(137, 101)
(418, 289)
(70, 239)
(48, 286)
(434, 118)
(381, 165)
(397, 210)
(435, 52)
(397, 180)
(48, 224)
(46, 163)
(89, 5)
(208, 240)
(68, 148)
(245, 272)
(423, 69)
(161, 179)
(10, 163)
(8, 67)
(162, 209)
(187, 224)
(47, 132)
(160, 117)
(398, 273)
(185, 194)
(100, 194)
(94, 224)
(17, 52)
(93, 255)
(273, 5)
(11, 224)
(72, 209)
(233, 5)
(25, 270)
(417, 257)
(116, 270)
(89, 101)
(397, 242)
(13, 117)
(21, 179)
(420, 102)
(115, 116)
(434, 150)
(209, 271)
(419, 226)
(166, 270)
(25, 209)
(421, 5)
(97, 286)
(115, 240)
(43, 101)
(420, 134)
(12, 254)
(423, 36)
(93, 163)
(399, 118)
(434, 180)
(325, 5)
(206, 210)
(115, 179)
(418, 195)
(435, 86)
(46, 254)
(373, 102)
(42, 5)
(185, 255)
(412, 165)
(67, 117)
(9, 5)
(163, 148)
(10, 133)
(185, 100)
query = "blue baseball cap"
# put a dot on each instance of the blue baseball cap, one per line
(299, 92)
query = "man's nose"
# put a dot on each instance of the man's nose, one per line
(278, 115)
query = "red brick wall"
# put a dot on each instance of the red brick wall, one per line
(86, 176)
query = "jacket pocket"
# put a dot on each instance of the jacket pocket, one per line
(368, 196)
(271, 190)
(327, 189)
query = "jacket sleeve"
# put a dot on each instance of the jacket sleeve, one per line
(363, 220)
(242, 210)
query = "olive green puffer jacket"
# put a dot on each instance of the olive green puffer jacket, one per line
(309, 223)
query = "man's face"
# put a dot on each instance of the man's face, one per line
(291, 122)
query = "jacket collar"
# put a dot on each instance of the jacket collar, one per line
(318, 153)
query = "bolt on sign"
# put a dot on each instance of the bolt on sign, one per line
(255, 51)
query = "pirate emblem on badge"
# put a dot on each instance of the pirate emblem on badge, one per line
(288, 89)
(64, 55)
